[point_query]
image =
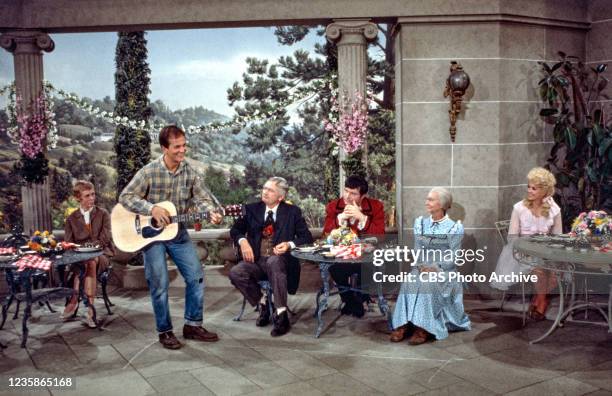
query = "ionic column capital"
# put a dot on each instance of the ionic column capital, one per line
(26, 42)
(351, 31)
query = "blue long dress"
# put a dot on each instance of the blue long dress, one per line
(434, 306)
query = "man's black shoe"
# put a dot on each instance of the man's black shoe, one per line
(357, 308)
(281, 324)
(264, 316)
(169, 341)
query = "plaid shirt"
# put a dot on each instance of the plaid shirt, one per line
(154, 183)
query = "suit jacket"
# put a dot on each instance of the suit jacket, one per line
(290, 226)
(75, 231)
(373, 208)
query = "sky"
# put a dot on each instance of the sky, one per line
(188, 67)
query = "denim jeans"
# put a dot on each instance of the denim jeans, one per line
(183, 254)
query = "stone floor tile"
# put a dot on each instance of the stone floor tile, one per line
(267, 374)
(298, 363)
(459, 388)
(556, 386)
(496, 375)
(224, 380)
(173, 382)
(599, 376)
(296, 388)
(125, 381)
(342, 384)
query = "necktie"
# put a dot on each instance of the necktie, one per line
(269, 218)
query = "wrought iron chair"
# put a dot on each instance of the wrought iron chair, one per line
(502, 230)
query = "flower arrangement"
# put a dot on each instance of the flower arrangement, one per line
(342, 236)
(348, 126)
(42, 241)
(593, 223)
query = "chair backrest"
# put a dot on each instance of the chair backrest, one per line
(502, 230)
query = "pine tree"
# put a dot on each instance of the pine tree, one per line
(133, 146)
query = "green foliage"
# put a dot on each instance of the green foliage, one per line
(304, 150)
(11, 211)
(59, 213)
(33, 170)
(61, 185)
(131, 100)
(581, 157)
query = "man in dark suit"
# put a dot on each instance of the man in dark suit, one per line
(265, 235)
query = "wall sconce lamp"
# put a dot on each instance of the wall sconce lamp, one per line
(456, 84)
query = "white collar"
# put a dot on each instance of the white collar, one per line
(83, 211)
(274, 209)
(439, 220)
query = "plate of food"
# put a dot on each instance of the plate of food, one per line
(88, 249)
(307, 249)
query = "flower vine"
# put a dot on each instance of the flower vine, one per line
(348, 125)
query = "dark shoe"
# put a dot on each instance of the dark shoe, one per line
(281, 324)
(358, 310)
(199, 333)
(398, 334)
(169, 341)
(534, 314)
(264, 316)
(419, 337)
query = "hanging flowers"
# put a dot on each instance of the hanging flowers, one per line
(349, 125)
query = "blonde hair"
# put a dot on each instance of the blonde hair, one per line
(80, 186)
(545, 180)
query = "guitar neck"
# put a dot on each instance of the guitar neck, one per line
(190, 217)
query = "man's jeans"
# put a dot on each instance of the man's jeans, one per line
(183, 254)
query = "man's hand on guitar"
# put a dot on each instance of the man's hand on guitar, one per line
(161, 216)
(247, 251)
(216, 217)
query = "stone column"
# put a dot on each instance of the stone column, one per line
(27, 47)
(351, 37)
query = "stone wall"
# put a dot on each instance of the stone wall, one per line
(499, 133)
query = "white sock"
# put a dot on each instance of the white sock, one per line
(280, 310)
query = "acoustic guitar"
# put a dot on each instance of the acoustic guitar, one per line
(132, 231)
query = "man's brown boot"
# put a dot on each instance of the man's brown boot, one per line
(398, 334)
(199, 333)
(169, 341)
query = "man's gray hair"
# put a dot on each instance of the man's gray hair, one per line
(281, 183)
(445, 197)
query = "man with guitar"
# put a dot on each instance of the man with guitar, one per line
(266, 233)
(172, 178)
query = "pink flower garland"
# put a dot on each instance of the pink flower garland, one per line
(350, 130)
(32, 128)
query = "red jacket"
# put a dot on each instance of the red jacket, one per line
(370, 207)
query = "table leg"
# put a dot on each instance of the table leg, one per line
(383, 306)
(27, 286)
(560, 315)
(322, 306)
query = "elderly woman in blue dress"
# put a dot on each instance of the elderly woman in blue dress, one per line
(433, 308)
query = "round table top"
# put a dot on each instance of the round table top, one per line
(590, 260)
(319, 258)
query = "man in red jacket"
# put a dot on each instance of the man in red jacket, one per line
(365, 216)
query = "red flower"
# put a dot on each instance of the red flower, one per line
(268, 230)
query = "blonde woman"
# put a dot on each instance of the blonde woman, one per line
(537, 213)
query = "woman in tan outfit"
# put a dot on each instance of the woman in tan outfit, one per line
(88, 224)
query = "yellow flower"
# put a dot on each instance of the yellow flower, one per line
(576, 222)
(37, 233)
(599, 221)
(68, 212)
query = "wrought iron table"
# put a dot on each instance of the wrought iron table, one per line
(566, 264)
(30, 296)
(323, 294)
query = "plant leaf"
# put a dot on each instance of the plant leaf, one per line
(601, 68)
(556, 66)
(604, 146)
(570, 136)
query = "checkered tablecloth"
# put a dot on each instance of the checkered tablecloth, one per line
(33, 261)
(7, 250)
